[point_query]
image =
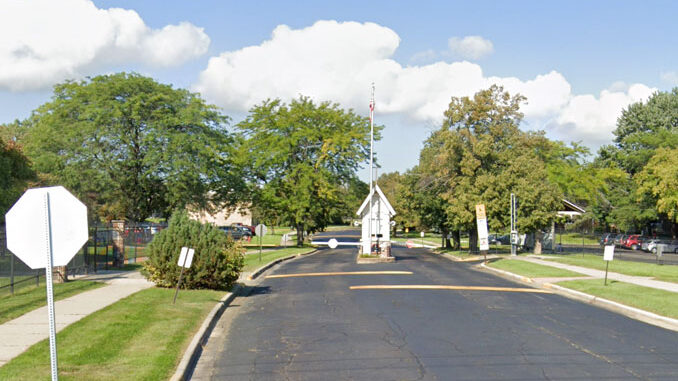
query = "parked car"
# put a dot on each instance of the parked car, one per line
(236, 232)
(248, 227)
(496, 239)
(618, 239)
(607, 239)
(634, 242)
(670, 246)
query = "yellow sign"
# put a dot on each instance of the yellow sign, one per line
(480, 212)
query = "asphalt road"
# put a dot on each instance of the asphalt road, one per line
(317, 328)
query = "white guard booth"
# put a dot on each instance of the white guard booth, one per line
(382, 211)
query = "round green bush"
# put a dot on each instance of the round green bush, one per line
(216, 263)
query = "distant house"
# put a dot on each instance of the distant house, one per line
(571, 209)
(224, 217)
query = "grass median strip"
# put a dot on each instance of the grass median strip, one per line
(252, 258)
(667, 273)
(443, 287)
(29, 298)
(141, 337)
(532, 270)
(340, 274)
(660, 302)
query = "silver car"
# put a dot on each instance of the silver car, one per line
(670, 246)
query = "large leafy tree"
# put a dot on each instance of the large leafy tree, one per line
(132, 147)
(481, 156)
(641, 129)
(644, 130)
(658, 181)
(301, 158)
(15, 174)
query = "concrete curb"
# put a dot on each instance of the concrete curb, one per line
(192, 354)
(632, 312)
(265, 267)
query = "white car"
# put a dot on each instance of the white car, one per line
(670, 246)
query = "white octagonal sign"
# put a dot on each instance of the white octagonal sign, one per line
(28, 227)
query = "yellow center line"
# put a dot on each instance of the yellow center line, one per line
(441, 287)
(342, 273)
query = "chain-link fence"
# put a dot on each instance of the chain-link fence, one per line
(109, 245)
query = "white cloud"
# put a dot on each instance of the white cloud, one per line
(593, 119)
(338, 61)
(44, 41)
(470, 47)
(670, 77)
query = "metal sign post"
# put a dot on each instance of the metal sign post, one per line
(608, 254)
(46, 227)
(185, 260)
(50, 291)
(260, 230)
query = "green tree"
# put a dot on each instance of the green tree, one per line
(481, 156)
(15, 175)
(299, 156)
(131, 147)
(641, 129)
(658, 181)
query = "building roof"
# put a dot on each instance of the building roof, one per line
(376, 188)
(571, 209)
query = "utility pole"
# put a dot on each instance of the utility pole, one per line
(371, 166)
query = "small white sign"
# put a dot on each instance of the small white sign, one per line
(333, 243)
(422, 234)
(608, 253)
(186, 257)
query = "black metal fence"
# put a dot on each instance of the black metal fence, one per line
(98, 253)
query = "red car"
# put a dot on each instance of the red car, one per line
(633, 242)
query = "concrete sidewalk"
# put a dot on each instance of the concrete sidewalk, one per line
(21, 333)
(637, 280)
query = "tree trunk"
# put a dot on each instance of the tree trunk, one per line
(538, 237)
(457, 240)
(473, 240)
(300, 235)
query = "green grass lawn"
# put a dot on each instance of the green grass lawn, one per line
(531, 270)
(271, 239)
(576, 239)
(661, 302)
(141, 337)
(668, 273)
(29, 298)
(252, 259)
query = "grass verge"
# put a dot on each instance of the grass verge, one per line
(653, 300)
(141, 337)
(252, 259)
(668, 273)
(29, 298)
(532, 270)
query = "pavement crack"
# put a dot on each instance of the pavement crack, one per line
(589, 352)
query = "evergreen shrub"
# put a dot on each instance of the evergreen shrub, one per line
(217, 261)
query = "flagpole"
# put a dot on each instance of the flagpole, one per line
(371, 166)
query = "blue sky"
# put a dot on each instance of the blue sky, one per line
(579, 62)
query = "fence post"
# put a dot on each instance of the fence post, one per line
(118, 243)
